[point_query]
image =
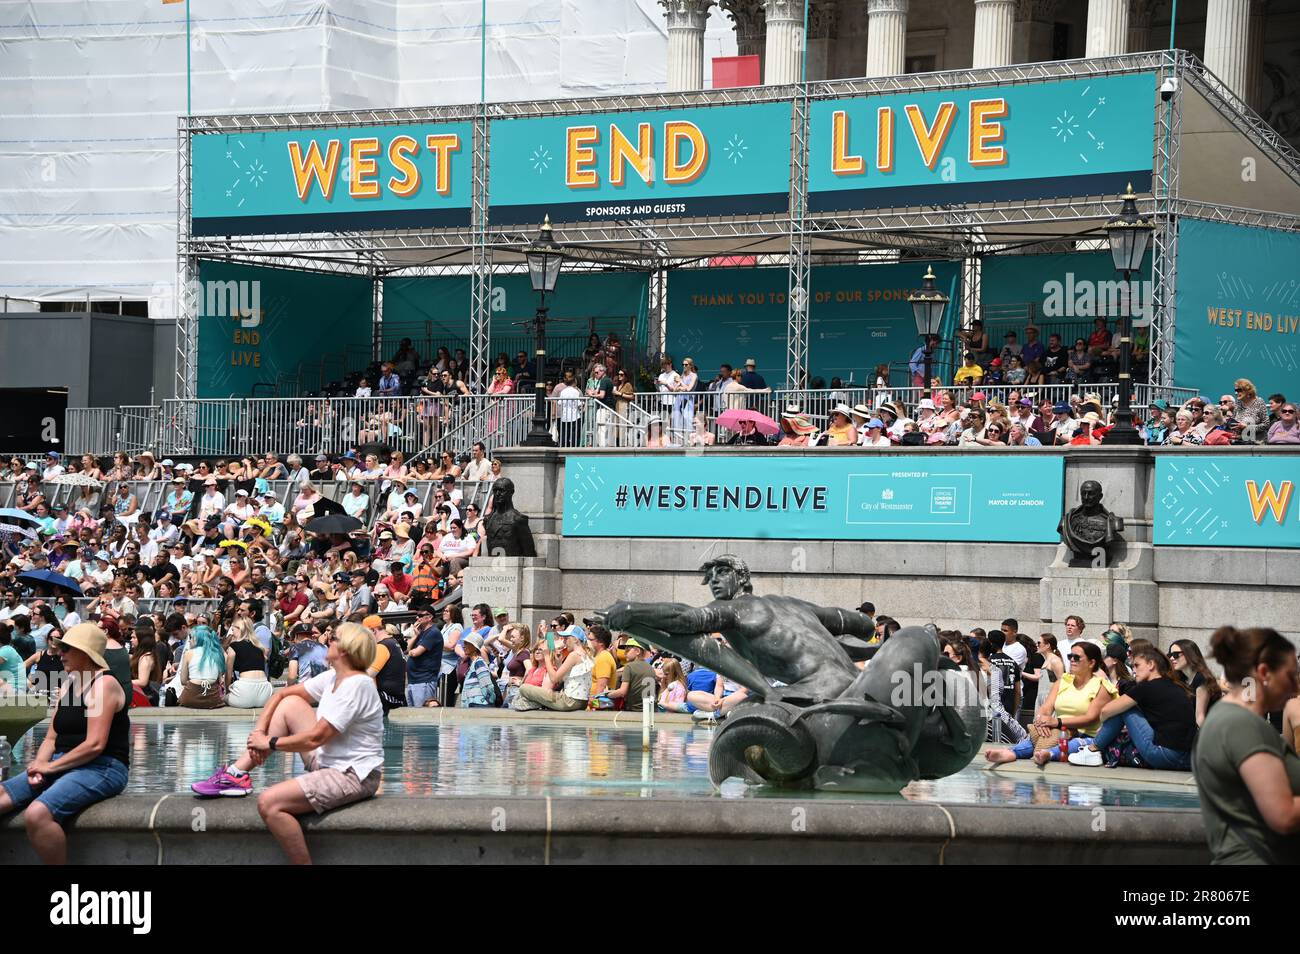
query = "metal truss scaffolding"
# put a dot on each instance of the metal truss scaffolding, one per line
(1164, 249)
(963, 233)
(796, 355)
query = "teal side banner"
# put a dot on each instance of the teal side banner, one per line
(1076, 285)
(1238, 308)
(1030, 141)
(319, 180)
(256, 323)
(858, 317)
(1209, 500)
(653, 164)
(441, 306)
(756, 497)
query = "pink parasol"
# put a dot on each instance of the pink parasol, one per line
(732, 420)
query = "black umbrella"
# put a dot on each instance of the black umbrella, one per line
(324, 505)
(333, 523)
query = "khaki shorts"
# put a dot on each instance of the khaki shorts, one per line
(328, 788)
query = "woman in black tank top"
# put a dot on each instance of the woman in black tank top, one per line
(85, 755)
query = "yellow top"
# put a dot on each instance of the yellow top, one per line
(1072, 703)
(604, 667)
(968, 374)
(842, 435)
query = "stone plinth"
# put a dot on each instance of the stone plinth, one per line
(526, 587)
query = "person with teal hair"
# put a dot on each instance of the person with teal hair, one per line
(203, 669)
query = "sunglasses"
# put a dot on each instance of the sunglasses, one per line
(1174, 654)
(1074, 657)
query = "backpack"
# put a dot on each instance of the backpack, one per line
(278, 659)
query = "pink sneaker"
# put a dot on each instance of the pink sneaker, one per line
(222, 783)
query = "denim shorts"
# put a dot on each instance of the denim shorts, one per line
(67, 793)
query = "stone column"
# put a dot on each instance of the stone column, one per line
(686, 20)
(1227, 32)
(1255, 55)
(994, 20)
(748, 20)
(783, 53)
(886, 37)
(1107, 27)
(822, 20)
(1031, 41)
(1139, 26)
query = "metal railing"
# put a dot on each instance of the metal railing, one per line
(427, 426)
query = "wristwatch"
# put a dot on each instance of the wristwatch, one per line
(275, 739)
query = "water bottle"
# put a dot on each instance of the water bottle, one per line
(1065, 745)
(6, 753)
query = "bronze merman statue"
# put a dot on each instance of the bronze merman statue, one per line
(1090, 526)
(829, 725)
(505, 528)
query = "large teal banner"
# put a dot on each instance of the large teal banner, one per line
(1222, 500)
(654, 164)
(755, 497)
(1066, 287)
(858, 317)
(256, 323)
(1031, 141)
(321, 180)
(1238, 298)
(442, 305)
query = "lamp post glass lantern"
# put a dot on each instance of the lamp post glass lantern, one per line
(544, 257)
(928, 305)
(1128, 235)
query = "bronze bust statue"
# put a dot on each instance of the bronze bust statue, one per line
(505, 528)
(1090, 526)
(827, 725)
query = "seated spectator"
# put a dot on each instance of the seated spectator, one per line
(747, 433)
(969, 374)
(1250, 418)
(873, 434)
(1072, 710)
(246, 668)
(656, 434)
(307, 657)
(388, 668)
(636, 680)
(1079, 365)
(572, 676)
(1247, 775)
(341, 744)
(1190, 667)
(202, 671)
(672, 686)
(479, 467)
(1287, 428)
(840, 431)
(149, 661)
(85, 755)
(1159, 714)
(478, 691)
(1184, 431)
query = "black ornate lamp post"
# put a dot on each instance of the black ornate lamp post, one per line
(544, 257)
(1128, 234)
(928, 304)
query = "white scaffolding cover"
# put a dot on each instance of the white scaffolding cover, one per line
(90, 91)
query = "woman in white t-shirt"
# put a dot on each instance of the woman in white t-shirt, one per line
(341, 742)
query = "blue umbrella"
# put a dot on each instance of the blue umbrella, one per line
(12, 515)
(50, 578)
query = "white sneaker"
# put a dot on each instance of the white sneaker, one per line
(703, 715)
(1085, 756)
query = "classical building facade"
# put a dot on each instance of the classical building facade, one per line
(1252, 45)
